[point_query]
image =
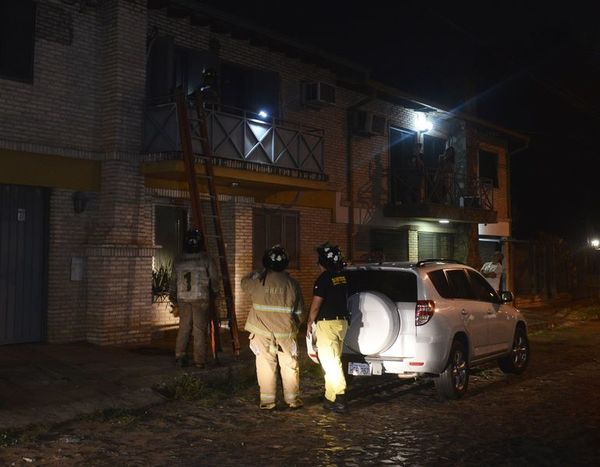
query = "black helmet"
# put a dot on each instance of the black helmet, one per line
(276, 258)
(330, 257)
(193, 241)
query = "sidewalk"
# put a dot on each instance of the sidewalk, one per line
(51, 383)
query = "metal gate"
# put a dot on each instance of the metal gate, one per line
(22, 262)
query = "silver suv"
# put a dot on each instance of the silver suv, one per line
(434, 318)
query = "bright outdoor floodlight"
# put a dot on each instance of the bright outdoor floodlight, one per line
(422, 122)
(263, 114)
(595, 243)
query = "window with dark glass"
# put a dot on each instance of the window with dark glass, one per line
(398, 286)
(170, 225)
(249, 89)
(272, 227)
(389, 245)
(433, 147)
(459, 284)
(440, 282)
(171, 66)
(488, 167)
(481, 288)
(17, 39)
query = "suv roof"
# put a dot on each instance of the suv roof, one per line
(409, 264)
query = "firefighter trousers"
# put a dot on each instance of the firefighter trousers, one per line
(270, 351)
(330, 338)
(193, 317)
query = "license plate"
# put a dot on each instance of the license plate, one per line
(359, 369)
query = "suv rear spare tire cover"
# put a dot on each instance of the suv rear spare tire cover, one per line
(375, 323)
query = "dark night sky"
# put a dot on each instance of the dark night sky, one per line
(533, 69)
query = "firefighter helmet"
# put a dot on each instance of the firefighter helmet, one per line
(193, 241)
(330, 257)
(276, 258)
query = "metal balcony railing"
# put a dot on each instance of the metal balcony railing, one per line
(240, 139)
(409, 187)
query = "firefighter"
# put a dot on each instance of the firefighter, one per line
(193, 274)
(329, 310)
(273, 324)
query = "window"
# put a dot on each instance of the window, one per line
(459, 284)
(432, 148)
(398, 286)
(389, 245)
(481, 288)
(170, 225)
(436, 245)
(488, 167)
(270, 227)
(438, 278)
(250, 89)
(402, 147)
(17, 39)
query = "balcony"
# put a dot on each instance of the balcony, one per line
(432, 196)
(239, 140)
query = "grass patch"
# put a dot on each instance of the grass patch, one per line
(585, 313)
(12, 436)
(190, 387)
(116, 416)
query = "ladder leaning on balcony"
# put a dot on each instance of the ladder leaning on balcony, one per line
(189, 158)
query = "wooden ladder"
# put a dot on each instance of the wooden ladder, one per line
(189, 158)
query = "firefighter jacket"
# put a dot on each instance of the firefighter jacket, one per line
(193, 274)
(277, 304)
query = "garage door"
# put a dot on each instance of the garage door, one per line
(22, 259)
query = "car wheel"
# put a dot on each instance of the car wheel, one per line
(518, 358)
(453, 381)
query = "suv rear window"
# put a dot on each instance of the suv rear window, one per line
(399, 286)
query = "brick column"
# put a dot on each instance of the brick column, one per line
(119, 251)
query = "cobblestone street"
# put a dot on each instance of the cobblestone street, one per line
(548, 416)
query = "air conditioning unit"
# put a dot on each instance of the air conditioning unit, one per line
(318, 94)
(366, 123)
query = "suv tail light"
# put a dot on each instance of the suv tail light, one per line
(424, 311)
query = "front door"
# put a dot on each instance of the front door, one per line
(22, 262)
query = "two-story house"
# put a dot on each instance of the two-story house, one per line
(93, 194)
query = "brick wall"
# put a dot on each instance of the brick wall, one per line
(66, 298)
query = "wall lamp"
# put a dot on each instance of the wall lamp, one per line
(80, 201)
(422, 123)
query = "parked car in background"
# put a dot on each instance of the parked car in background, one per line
(434, 318)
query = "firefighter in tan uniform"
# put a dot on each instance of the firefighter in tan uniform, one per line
(273, 324)
(193, 273)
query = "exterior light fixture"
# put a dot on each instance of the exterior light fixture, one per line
(444, 221)
(595, 243)
(263, 114)
(422, 122)
(80, 201)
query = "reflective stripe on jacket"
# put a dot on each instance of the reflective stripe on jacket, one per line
(276, 305)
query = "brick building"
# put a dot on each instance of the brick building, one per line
(92, 191)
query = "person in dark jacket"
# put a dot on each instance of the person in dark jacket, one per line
(329, 312)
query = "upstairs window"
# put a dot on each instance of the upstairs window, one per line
(249, 89)
(488, 166)
(433, 147)
(17, 39)
(171, 66)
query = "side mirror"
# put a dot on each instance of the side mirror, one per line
(506, 296)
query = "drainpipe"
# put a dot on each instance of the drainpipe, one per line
(349, 176)
(510, 281)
